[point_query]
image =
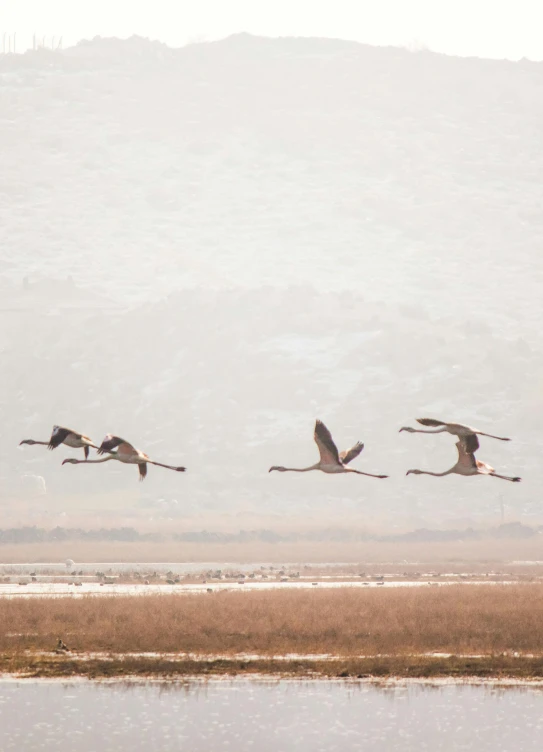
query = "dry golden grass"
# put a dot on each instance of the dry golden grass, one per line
(489, 551)
(458, 619)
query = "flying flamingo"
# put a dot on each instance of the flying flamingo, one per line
(467, 464)
(61, 435)
(457, 429)
(125, 453)
(331, 461)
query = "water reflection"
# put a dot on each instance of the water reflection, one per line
(250, 714)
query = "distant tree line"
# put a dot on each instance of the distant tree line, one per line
(41, 535)
(129, 534)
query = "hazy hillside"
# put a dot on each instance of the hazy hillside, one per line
(248, 234)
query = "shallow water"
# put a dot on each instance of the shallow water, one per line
(252, 714)
(36, 589)
(49, 574)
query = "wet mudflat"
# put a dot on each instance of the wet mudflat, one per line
(33, 589)
(249, 714)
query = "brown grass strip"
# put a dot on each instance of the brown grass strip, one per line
(457, 619)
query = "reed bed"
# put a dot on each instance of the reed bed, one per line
(458, 619)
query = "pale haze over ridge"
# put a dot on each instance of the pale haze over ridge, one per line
(208, 247)
(483, 28)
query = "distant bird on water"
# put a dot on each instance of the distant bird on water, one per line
(457, 429)
(467, 464)
(125, 453)
(331, 461)
(61, 435)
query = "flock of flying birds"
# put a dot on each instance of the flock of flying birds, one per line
(126, 452)
(331, 461)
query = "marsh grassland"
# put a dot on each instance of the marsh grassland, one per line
(480, 629)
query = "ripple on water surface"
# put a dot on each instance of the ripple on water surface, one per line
(251, 714)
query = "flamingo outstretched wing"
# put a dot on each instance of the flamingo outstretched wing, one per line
(111, 442)
(430, 422)
(349, 454)
(467, 446)
(327, 448)
(58, 435)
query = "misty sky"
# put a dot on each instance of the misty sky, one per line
(486, 28)
(358, 240)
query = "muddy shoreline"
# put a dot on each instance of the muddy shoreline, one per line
(500, 667)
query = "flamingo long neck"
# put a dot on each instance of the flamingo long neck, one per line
(95, 462)
(424, 430)
(436, 475)
(33, 441)
(302, 469)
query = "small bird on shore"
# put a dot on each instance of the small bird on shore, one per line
(457, 429)
(126, 453)
(62, 647)
(62, 435)
(331, 461)
(467, 464)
